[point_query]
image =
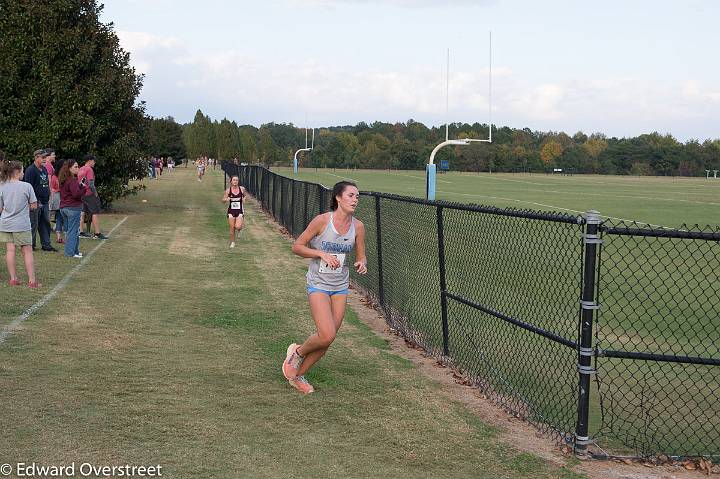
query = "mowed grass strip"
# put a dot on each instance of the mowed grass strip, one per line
(166, 349)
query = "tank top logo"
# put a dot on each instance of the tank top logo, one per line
(330, 247)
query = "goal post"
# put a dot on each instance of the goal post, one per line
(312, 145)
(430, 168)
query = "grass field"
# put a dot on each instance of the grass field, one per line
(663, 201)
(164, 348)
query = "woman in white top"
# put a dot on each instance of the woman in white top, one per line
(17, 198)
(328, 240)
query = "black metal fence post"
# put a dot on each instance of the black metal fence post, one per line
(305, 205)
(443, 284)
(265, 189)
(378, 234)
(275, 195)
(281, 216)
(292, 208)
(586, 351)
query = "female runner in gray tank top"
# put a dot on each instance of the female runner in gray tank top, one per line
(327, 241)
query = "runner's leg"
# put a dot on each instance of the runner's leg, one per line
(319, 307)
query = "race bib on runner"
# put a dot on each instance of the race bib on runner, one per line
(235, 205)
(326, 269)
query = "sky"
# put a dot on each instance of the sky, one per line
(621, 68)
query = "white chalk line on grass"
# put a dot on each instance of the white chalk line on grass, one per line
(562, 209)
(10, 328)
(602, 195)
(422, 178)
(593, 183)
(553, 207)
(342, 177)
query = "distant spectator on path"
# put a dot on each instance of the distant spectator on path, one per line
(37, 176)
(17, 199)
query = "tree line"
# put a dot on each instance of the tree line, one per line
(408, 146)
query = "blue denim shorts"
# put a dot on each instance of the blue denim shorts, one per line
(311, 290)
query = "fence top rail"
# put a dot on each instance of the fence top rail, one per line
(234, 166)
(611, 353)
(514, 212)
(634, 229)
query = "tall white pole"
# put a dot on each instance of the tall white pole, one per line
(490, 89)
(447, 95)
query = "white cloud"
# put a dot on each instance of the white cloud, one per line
(251, 89)
(137, 41)
(394, 3)
(143, 47)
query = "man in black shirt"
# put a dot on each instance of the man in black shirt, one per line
(37, 176)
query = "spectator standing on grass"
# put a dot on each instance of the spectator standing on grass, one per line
(91, 200)
(17, 200)
(72, 193)
(37, 176)
(328, 240)
(54, 203)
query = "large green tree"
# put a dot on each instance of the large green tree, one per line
(227, 140)
(66, 83)
(199, 136)
(164, 138)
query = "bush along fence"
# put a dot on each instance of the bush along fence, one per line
(606, 335)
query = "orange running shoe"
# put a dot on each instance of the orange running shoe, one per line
(292, 362)
(301, 384)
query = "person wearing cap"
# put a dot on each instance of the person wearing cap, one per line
(37, 176)
(91, 200)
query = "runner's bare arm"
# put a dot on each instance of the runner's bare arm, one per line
(300, 246)
(360, 258)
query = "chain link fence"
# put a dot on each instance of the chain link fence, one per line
(604, 335)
